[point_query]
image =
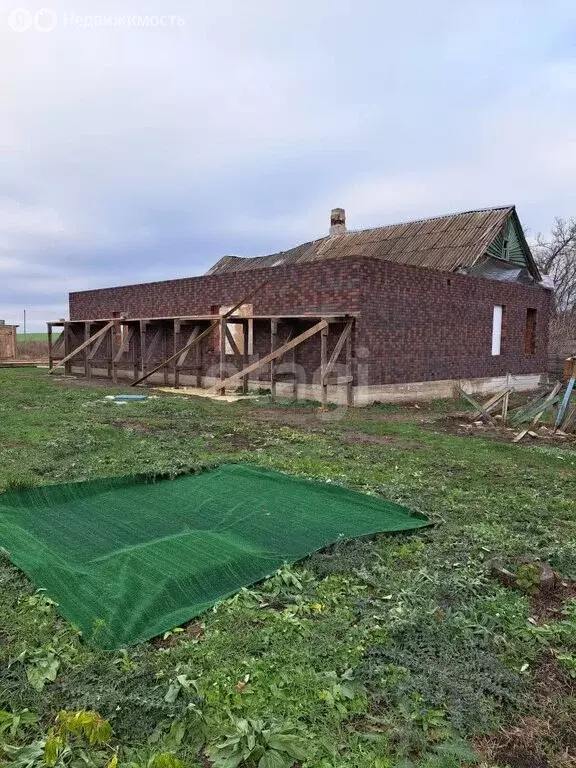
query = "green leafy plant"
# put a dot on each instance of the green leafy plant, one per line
(258, 744)
(528, 578)
(11, 723)
(568, 663)
(42, 666)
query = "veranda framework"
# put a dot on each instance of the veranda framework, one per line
(169, 348)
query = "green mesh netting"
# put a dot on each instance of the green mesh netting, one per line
(127, 558)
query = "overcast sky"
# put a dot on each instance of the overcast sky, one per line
(132, 153)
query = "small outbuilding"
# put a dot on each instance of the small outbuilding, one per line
(7, 342)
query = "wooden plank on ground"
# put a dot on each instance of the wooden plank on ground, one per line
(477, 406)
(272, 356)
(83, 346)
(565, 401)
(493, 402)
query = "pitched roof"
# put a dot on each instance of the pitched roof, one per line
(443, 242)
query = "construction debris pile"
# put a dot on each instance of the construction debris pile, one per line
(557, 403)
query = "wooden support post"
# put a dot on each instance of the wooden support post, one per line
(198, 357)
(67, 341)
(67, 350)
(143, 366)
(337, 350)
(114, 349)
(273, 345)
(184, 354)
(323, 365)
(245, 350)
(134, 351)
(50, 358)
(223, 328)
(165, 351)
(267, 358)
(204, 333)
(177, 326)
(86, 353)
(232, 341)
(124, 346)
(349, 370)
(479, 409)
(505, 401)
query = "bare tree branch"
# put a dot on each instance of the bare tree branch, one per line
(555, 255)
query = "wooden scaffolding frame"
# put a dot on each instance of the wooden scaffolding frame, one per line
(121, 343)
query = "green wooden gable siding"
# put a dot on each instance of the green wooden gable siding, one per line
(496, 247)
(516, 250)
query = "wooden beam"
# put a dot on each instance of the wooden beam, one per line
(96, 346)
(232, 341)
(477, 406)
(143, 367)
(323, 365)
(505, 407)
(204, 333)
(113, 344)
(154, 343)
(124, 346)
(492, 403)
(184, 355)
(50, 349)
(87, 367)
(58, 346)
(265, 360)
(67, 349)
(175, 348)
(273, 346)
(349, 368)
(83, 346)
(245, 356)
(223, 330)
(338, 348)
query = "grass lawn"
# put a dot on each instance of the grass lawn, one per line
(382, 653)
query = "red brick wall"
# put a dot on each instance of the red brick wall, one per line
(324, 287)
(415, 324)
(423, 325)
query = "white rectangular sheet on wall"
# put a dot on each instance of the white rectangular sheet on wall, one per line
(497, 330)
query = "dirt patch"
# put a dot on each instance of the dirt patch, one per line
(94, 383)
(360, 438)
(192, 631)
(286, 417)
(551, 680)
(520, 746)
(547, 604)
(460, 425)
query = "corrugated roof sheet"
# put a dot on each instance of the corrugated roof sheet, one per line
(443, 242)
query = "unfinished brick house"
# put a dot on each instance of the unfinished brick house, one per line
(405, 311)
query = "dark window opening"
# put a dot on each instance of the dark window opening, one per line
(505, 249)
(530, 332)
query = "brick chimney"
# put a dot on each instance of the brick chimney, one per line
(337, 221)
